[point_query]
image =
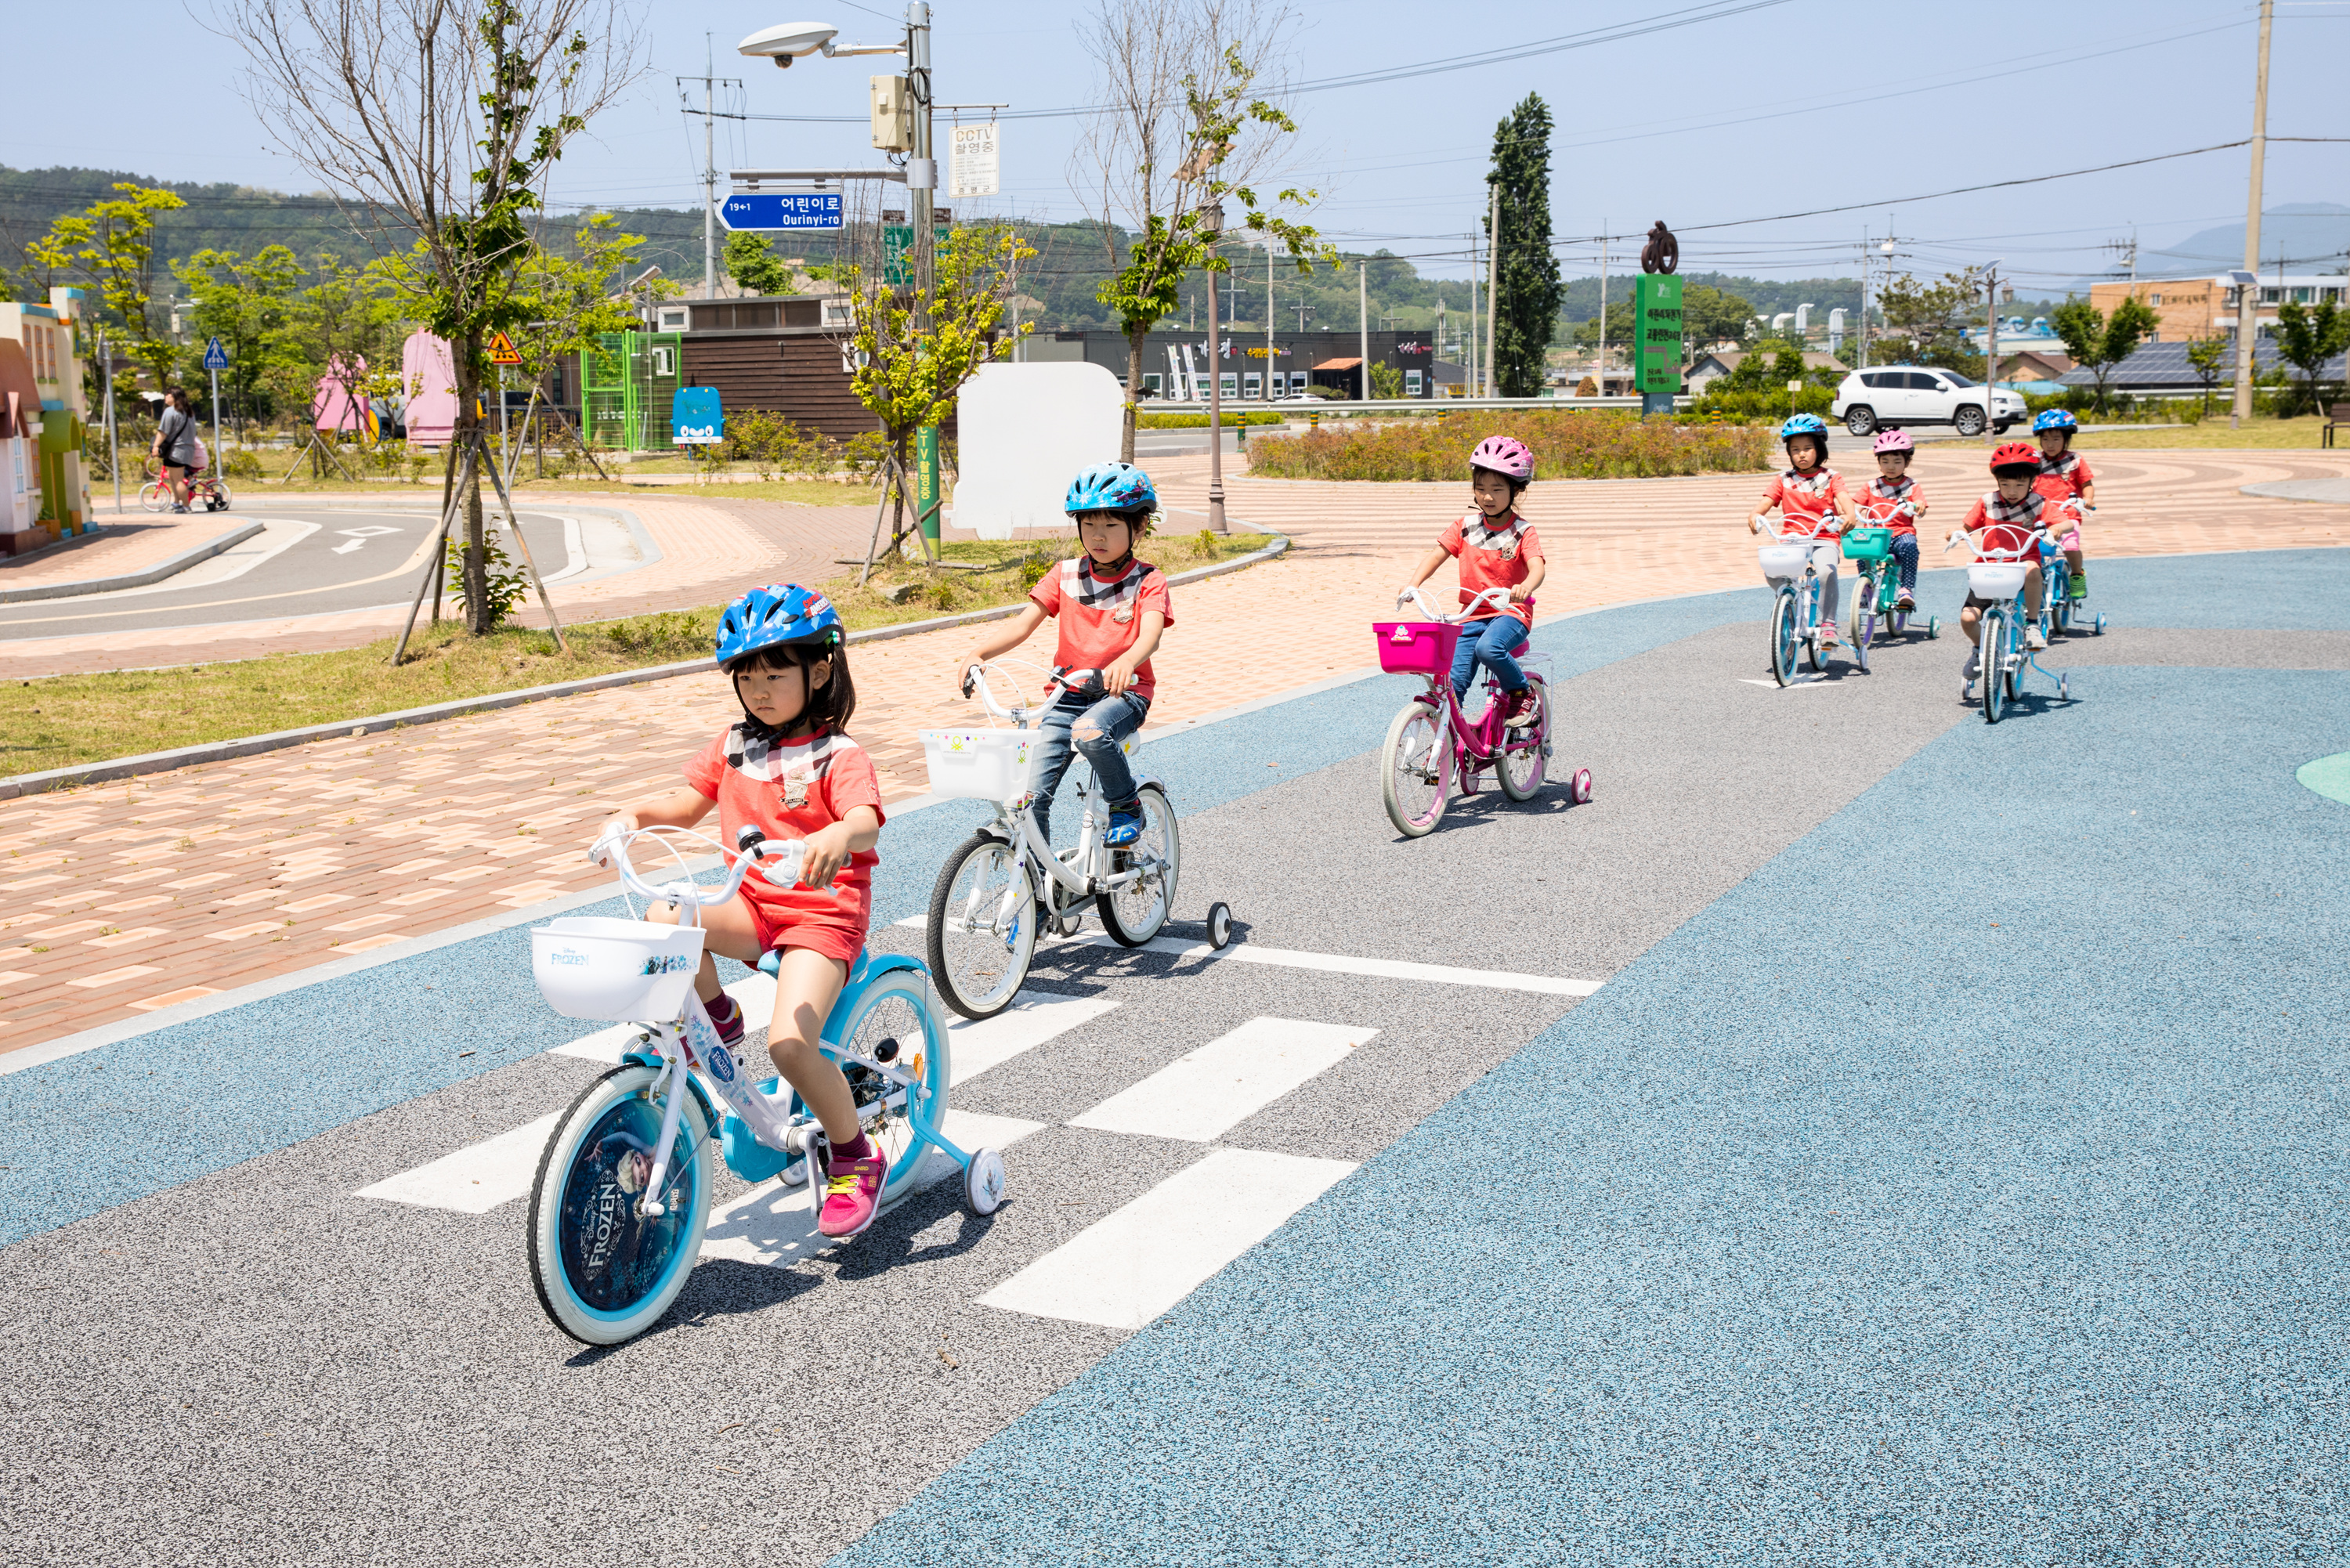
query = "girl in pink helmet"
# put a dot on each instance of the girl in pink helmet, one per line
(1496, 548)
(1883, 500)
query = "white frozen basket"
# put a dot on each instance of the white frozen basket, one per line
(1996, 580)
(595, 966)
(979, 765)
(1782, 561)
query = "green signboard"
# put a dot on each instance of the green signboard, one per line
(1657, 333)
(898, 251)
(926, 500)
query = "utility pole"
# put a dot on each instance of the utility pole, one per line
(922, 168)
(1990, 353)
(709, 80)
(1303, 310)
(1601, 387)
(2247, 322)
(1268, 318)
(1469, 357)
(1363, 308)
(1493, 290)
(1212, 220)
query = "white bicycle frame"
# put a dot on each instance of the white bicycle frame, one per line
(1086, 872)
(689, 1046)
(1500, 596)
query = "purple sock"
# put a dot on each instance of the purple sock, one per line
(726, 1015)
(848, 1153)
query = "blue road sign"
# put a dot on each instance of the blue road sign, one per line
(782, 210)
(215, 356)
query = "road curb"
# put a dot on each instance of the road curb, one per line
(281, 739)
(140, 579)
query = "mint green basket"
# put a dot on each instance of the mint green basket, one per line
(1868, 543)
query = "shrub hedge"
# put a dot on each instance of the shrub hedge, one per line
(1569, 445)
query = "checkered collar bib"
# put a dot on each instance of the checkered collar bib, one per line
(1477, 535)
(1891, 489)
(794, 767)
(1114, 597)
(1997, 509)
(1814, 483)
(2062, 467)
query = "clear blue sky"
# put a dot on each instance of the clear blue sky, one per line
(1793, 106)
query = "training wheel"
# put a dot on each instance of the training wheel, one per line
(1933, 628)
(1578, 789)
(2099, 628)
(1220, 926)
(982, 1182)
(2064, 690)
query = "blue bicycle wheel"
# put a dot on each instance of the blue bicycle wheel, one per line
(1783, 637)
(605, 1269)
(1995, 630)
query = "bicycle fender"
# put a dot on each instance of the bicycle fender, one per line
(869, 970)
(1150, 781)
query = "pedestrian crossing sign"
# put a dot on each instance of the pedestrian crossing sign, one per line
(501, 350)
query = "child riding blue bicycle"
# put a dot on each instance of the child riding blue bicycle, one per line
(1814, 509)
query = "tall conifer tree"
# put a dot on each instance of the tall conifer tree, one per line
(1527, 303)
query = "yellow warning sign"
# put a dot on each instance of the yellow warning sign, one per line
(501, 350)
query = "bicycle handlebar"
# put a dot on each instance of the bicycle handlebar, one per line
(1083, 682)
(611, 848)
(1468, 611)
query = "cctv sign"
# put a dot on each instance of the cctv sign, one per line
(975, 170)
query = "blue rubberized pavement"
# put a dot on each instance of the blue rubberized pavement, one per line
(1964, 1187)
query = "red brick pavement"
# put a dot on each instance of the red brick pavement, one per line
(130, 542)
(133, 896)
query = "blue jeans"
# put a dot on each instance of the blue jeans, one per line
(1095, 729)
(1489, 643)
(1905, 555)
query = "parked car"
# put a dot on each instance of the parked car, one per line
(1895, 396)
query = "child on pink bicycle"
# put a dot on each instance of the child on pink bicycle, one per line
(1497, 549)
(1893, 501)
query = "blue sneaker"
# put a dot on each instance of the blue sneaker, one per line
(1125, 827)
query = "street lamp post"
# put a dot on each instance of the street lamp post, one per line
(923, 169)
(1212, 223)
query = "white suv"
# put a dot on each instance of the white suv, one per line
(1898, 395)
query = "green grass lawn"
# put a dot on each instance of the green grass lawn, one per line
(68, 718)
(2256, 433)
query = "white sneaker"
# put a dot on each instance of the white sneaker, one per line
(2034, 639)
(1974, 665)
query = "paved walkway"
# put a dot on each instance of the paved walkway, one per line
(138, 895)
(130, 542)
(709, 546)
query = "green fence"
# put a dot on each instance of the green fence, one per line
(627, 383)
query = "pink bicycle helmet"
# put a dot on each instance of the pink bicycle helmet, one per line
(1506, 456)
(1894, 440)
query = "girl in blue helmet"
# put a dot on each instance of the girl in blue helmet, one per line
(2065, 477)
(1111, 610)
(1814, 508)
(789, 769)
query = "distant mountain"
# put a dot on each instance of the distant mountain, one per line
(2311, 236)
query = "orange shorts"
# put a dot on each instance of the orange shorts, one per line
(837, 935)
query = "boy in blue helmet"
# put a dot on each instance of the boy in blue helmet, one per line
(2065, 477)
(1111, 609)
(1814, 509)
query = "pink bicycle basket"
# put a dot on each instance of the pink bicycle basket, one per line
(1416, 646)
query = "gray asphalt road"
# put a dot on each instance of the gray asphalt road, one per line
(263, 1365)
(348, 560)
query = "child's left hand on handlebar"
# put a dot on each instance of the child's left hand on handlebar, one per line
(823, 855)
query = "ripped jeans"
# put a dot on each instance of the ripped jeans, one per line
(1095, 728)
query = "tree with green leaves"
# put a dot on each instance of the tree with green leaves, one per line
(1184, 128)
(1933, 317)
(111, 247)
(750, 261)
(2097, 343)
(439, 120)
(913, 351)
(1526, 291)
(247, 303)
(2211, 358)
(2306, 337)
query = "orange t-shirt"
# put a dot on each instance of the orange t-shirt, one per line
(1807, 503)
(1099, 620)
(789, 789)
(1492, 557)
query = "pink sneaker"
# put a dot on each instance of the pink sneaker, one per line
(853, 1195)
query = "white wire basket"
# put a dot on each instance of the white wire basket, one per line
(599, 966)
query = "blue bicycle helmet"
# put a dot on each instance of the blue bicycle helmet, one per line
(1805, 424)
(1111, 487)
(778, 613)
(2055, 420)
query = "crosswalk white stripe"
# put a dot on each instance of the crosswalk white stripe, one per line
(773, 1225)
(475, 1179)
(1129, 1267)
(1206, 1092)
(1335, 963)
(975, 1047)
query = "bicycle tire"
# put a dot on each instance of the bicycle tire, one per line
(220, 489)
(603, 1273)
(1813, 654)
(1864, 620)
(1994, 628)
(155, 495)
(1783, 637)
(896, 1008)
(1405, 777)
(1525, 759)
(1133, 918)
(1007, 938)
